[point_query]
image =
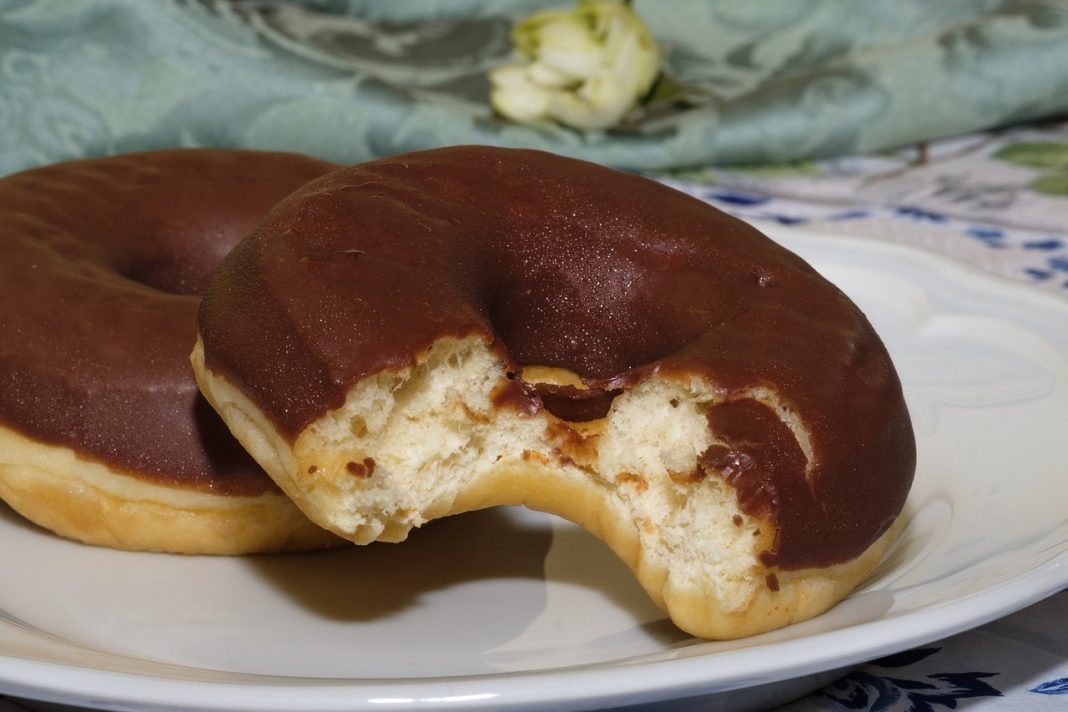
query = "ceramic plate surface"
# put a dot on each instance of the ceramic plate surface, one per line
(514, 609)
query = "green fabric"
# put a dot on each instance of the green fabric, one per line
(747, 80)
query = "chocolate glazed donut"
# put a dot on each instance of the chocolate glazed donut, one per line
(454, 329)
(103, 435)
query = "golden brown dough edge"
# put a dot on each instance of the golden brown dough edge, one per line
(541, 463)
(801, 594)
(90, 502)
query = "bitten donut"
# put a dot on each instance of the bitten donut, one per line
(465, 327)
(103, 435)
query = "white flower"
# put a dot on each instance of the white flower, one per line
(585, 67)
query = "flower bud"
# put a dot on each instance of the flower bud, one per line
(586, 67)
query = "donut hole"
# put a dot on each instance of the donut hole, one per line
(575, 405)
(177, 248)
(594, 336)
(182, 254)
(588, 309)
(169, 275)
(564, 394)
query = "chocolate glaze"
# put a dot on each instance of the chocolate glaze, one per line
(101, 264)
(762, 460)
(573, 404)
(562, 263)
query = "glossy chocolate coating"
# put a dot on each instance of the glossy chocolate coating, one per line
(563, 263)
(101, 262)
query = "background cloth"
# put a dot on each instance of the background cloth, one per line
(349, 80)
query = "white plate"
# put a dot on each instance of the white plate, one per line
(508, 608)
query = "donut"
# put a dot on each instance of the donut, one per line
(104, 437)
(465, 327)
